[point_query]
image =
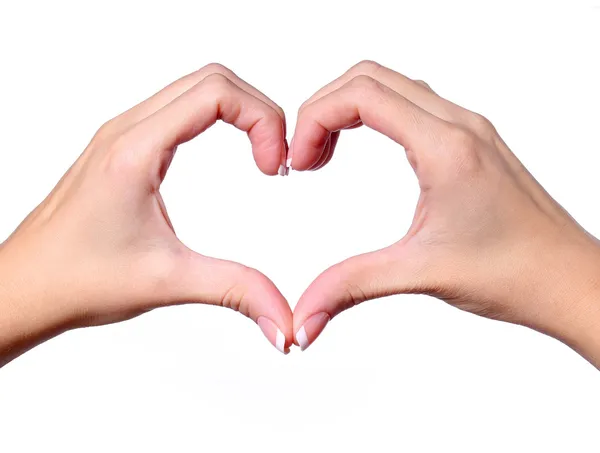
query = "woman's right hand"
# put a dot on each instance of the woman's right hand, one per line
(486, 237)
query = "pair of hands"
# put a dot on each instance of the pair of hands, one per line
(486, 237)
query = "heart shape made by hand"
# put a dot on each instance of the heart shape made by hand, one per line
(482, 230)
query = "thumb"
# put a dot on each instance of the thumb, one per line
(392, 270)
(201, 279)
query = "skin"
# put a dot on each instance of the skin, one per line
(101, 248)
(486, 237)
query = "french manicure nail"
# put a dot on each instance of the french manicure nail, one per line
(290, 154)
(273, 333)
(283, 169)
(311, 329)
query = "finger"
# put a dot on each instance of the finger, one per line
(328, 154)
(418, 93)
(168, 94)
(324, 153)
(334, 141)
(214, 98)
(365, 100)
(177, 88)
(392, 270)
(200, 279)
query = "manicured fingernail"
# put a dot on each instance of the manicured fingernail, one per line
(311, 329)
(273, 334)
(283, 170)
(290, 154)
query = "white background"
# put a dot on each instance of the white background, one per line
(405, 373)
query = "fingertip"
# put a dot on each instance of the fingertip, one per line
(272, 313)
(306, 156)
(310, 330)
(332, 145)
(274, 334)
(324, 156)
(268, 158)
(308, 145)
(253, 294)
(269, 146)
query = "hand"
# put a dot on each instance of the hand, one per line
(486, 237)
(101, 248)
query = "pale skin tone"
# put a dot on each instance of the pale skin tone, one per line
(101, 247)
(485, 238)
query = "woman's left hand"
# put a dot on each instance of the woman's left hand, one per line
(101, 248)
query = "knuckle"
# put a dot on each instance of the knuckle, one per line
(364, 84)
(463, 148)
(355, 294)
(219, 69)
(105, 131)
(481, 124)
(280, 112)
(232, 298)
(236, 296)
(120, 158)
(351, 289)
(273, 114)
(216, 68)
(424, 84)
(217, 85)
(303, 107)
(216, 80)
(270, 116)
(368, 67)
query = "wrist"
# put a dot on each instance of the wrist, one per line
(28, 316)
(581, 328)
(567, 298)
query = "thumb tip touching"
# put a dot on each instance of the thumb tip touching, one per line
(304, 337)
(274, 334)
(342, 286)
(240, 288)
(311, 329)
(252, 293)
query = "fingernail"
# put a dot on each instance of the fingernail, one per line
(311, 329)
(290, 154)
(283, 169)
(273, 334)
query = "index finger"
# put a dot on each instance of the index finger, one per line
(171, 92)
(365, 100)
(214, 98)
